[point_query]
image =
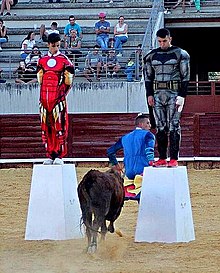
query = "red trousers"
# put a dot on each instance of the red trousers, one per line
(54, 126)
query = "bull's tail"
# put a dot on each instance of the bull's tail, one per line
(89, 180)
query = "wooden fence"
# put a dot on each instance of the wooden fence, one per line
(91, 134)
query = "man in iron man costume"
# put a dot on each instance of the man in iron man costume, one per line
(167, 74)
(55, 76)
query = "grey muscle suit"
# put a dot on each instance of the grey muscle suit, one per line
(167, 74)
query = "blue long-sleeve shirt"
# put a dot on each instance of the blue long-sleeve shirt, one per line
(138, 147)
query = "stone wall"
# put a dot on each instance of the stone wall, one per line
(104, 97)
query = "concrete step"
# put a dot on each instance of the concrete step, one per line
(10, 62)
(60, 13)
(80, 9)
(25, 4)
(133, 28)
(16, 45)
(62, 20)
(87, 38)
(27, 17)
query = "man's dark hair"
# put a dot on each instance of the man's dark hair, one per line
(53, 38)
(54, 24)
(140, 118)
(72, 16)
(163, 32)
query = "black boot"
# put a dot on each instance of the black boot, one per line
(162, 142)
(174, 144)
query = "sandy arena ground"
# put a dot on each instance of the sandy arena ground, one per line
(117, 254)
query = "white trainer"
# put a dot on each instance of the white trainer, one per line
(48, 161)
(58, 161)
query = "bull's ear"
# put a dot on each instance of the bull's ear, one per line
(118, 168)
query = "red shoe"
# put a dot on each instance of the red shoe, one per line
(160, 163)
(173, 163)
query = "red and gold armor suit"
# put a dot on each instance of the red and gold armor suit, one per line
(55, 75)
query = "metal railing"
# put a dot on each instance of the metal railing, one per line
(155, 22)
(10, 63)
(205, 88)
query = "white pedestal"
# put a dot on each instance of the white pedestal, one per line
(54, 212)
(165, 213)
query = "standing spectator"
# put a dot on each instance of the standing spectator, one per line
(55, 76)
(102, 29)
(27, 45)
(72, 46)
(72, 25)
(3, 34)
(121, 35)
(112, 65)
(7, 4)
(93, 64)
(45, 33)
(183, 5)
(197, 4)
(167, 74)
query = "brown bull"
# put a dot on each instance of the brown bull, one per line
(101, 197)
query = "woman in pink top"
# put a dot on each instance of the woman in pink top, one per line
(120, 34)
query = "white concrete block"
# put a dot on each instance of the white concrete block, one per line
(165, 213)
(54, 212)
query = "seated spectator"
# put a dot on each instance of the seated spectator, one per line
(27, 45)
(93, 64)
(7, 4)
(72, 25)
(121, 35)
(102, 29)
(1, 80)
(44, 33)
(112, 65)
(72, 46)
(3, 34)
(27, 70)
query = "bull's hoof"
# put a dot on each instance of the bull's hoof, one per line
(92, 249)
(111, 228)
